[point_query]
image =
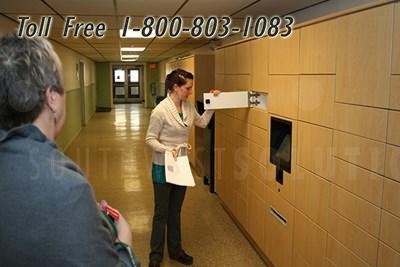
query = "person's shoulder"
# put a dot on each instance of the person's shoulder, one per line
(160, 108)
(166, 101)
(64, 181)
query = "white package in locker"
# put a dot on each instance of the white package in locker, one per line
(226, 100)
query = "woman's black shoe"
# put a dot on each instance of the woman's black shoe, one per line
(183, 258)
(154, 264)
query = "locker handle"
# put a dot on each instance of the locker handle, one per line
(278, 216)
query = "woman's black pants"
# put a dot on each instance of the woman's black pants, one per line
(168, 199)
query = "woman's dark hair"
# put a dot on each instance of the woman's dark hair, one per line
(28, 66)
(178, 77)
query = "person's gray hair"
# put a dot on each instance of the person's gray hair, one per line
(28, 67)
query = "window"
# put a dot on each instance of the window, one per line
(134, 76)
(119, 76)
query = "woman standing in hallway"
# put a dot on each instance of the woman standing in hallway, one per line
(169, 127)
(48, 210)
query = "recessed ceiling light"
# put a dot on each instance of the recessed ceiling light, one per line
(129, 59)
(132, 49)
(135, 34)
(129, 56)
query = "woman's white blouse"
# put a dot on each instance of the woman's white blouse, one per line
(167, 130)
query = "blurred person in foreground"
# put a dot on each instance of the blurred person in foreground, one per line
(49, 216)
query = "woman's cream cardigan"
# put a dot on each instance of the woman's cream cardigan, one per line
(167, 130)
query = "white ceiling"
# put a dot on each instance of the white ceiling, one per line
(113, 12)
(271, 7)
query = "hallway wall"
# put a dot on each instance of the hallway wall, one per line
(338, 82)
(152, 76)
(69, 60)
(103, 81)
(73, 124)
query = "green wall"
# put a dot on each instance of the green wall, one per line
(73, 119)
(72, 125)
(103, 82)
(151, 77)
(90, 101)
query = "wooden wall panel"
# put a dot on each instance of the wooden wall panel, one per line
(391, 196)
(387, 256)
(341, 256)
(231, 62)
(318, 48)
(390, 233)
(219, 81)
(392, 159)
(358, 211)
(278, 233)
(258, 170)
(259, 64)
(243, 58)
(315, 149)
(204, 75)
(258, 153)
(394, 102)
(316, 99)
(256, 219)
(243, 82)
(362, 121)
(283, 54)
(283, 96)
(363, 57)
(259, 118)
(360, 151)
(309, 241)
(361, 182)
(230, 83)
(358, 241)
(396, 41)
(258, 136)
(312, 196)
(393, 136)
(345, 121)
(220, 61)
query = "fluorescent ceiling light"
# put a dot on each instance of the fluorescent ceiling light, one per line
(129, 56)
(135, 34)
(132, 49)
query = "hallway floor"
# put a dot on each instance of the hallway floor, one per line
(112, 153)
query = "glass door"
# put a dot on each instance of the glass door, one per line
(119, 85)
(127, 83)
(134, 82)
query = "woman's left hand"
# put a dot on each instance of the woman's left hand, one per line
(215, 92)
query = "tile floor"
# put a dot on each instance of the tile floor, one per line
(112, 153)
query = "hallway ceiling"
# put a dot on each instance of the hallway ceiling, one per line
(113, 12)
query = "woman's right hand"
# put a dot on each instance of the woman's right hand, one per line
(174, 153)
(215, 92)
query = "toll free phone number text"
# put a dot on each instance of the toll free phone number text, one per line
(211, 27)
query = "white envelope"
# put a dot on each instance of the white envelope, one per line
(178, 172)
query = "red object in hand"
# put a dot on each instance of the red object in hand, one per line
(113, 213)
